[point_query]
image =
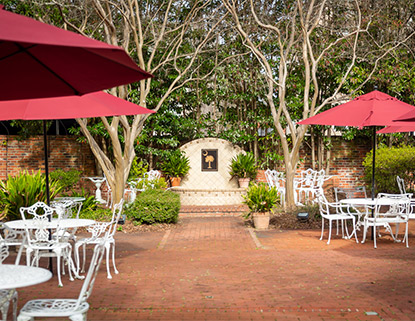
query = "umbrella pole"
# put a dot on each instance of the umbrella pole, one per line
(45, 148)
(373, 174)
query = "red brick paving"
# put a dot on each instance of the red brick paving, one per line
(211, 269)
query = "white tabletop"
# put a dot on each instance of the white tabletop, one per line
(369, 201)
(17, 276)
(64, 223)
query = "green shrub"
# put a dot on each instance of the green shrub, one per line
(177, 164)
(25, 190)
(391, 162)
(154, 206)
(66, 179)
(138, 169)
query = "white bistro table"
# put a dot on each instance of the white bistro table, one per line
(18, 276)
(63, 224)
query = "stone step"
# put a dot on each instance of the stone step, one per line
(212, 210)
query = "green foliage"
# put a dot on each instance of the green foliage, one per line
(260, 198)
(158, 183)
(90, 204)
(155, 206)
(67, 179)
(138, 169)
(176, 164)
(25, 190)
(243, 166)
(391, 162)
(97, 214)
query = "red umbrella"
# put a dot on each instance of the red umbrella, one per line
(39, 60)
(89, 105)
(372, 109)
(397, 129)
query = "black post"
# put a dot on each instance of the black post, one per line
(373, 174)
(45, 148)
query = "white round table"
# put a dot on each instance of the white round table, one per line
(369, 202)
(17, 276)
(70, 198)
(64, 223)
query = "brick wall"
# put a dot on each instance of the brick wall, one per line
(64, 153)
(346, 162)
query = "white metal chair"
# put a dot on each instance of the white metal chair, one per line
(13, 238)
(75, 309)
(101, 231)
(142, 183)
(9, 294)
(397, 213)
(305, 186)
(276, 179)
(331, 212)
(39, 241)
(341, 193)
(67, 208)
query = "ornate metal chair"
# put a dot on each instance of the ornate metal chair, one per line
(12, 238)
(75, 309)
(39, 241)
(67, 209)
(331, 212)
(101, 231)
(397, 213)
(142, 183)
(10, 294)
(276, 179)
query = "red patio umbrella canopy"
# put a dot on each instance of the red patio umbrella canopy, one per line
(89, 105)
(39, 60)
(372, 109)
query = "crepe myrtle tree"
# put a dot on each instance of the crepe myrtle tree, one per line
(168, 38)
(297, 38)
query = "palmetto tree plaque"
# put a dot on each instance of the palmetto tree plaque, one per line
(209, 160)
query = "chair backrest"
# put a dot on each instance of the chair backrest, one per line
(151, 175)
(401, 185)
(307, 178)
(323, 204)
(399, 204)
(275, 178)
(88, 285)
(67, 208)
(116, 214)
(41, 214)
(341, 193)
(4, 250)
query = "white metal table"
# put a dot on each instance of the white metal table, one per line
(18, 276)
(63, 224)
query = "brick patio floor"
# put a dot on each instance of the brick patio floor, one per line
(216, 269)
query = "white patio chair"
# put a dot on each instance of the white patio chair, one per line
(67, 209)
(305, 186)
(75, 309)
(13, 238)
(101, 231)
(331, 212)
(39, 241)
(341, 193)
(401, 185)
(146, 181)
(397, 213)
(276, 179)
(6, 295)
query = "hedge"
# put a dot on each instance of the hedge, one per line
(155, 206)
(391, 162)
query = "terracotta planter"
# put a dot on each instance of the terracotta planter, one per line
(261, 220)
(244, 182)
(175, 181)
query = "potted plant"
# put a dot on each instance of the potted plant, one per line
(261, 200)
(244, 167)
(175, 167)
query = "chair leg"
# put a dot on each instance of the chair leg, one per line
(330, 224)
(322, 229)
(84, 253)
(14, 300)
(78, 317)
(107, 256)
(58, 268)
(406, 234)
(113, 258)
(364, 232)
